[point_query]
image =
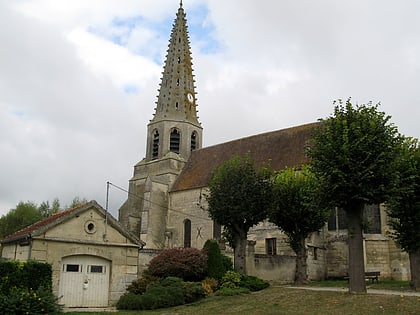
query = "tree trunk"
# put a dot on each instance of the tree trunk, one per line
(356, 258)
(415, 270)
(239, 261)
(301, 275)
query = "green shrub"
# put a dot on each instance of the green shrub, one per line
(216, 261)
(28, 301)
(189, 264)
(193, 291)
(253, 283)
(168, 292)
(26, 288)
(230, 280)
(31, 274)
(140, 285)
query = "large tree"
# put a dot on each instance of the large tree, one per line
(297, 211)
(239, 198)
(354, 153)
(404, 207)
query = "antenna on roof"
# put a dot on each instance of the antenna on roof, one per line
(106, 210)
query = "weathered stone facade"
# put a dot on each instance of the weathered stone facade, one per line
(84, 236)
(166, 205)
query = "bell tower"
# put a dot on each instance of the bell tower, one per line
(172, 133)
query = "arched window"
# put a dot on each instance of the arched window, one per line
(187, 233)
(193, 141)
(174, 141)
(155, 145)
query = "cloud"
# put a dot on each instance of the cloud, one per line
(79, 79)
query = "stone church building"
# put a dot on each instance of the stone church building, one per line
(166, 201)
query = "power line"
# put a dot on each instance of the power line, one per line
(156, 204)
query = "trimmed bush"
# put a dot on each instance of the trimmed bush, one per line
(171, 291)
(217, 263)
(209, 285)
(189, 264)
(253, 283)
(230, 280)
(140, 285)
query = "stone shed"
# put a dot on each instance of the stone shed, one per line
(93, 257)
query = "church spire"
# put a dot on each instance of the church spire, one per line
(175, 127)
(177, 99)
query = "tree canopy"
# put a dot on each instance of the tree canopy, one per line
(404, 206)
(354, 153)
(297, 211)
(27, 213)
(239, 198)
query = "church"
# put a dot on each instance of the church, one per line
(166, 205)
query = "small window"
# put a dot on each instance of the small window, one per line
(187, 233)
(72, 268)
(315, 253)
(271, 246)
(96, 269)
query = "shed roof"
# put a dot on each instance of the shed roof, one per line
(279, 149)
(42, 226)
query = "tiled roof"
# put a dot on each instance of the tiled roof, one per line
(280, 149)
(39, 225)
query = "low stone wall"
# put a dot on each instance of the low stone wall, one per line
(279, 269)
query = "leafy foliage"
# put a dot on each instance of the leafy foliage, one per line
(296, 209)
(253, 283)
(230, 280)
(25, 288)
(189, 264)
(170, 291)
(140, 285)
(27, 213)
(216, 262)
(209, 285)
(354, 153)
(404, 206)
(16, 219)
(239, 198)
(32, 274)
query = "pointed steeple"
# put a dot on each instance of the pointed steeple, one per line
(177, 99)
(175, 126)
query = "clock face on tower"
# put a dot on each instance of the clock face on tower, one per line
(190, 97)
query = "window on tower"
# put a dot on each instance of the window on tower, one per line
(187, 233)
(155, 145)
(193, 141)
(174, 141)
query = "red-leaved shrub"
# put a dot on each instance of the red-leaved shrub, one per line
(189, 264)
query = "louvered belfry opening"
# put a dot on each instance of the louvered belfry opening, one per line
(174, 141)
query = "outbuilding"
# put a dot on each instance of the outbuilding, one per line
(93, 257)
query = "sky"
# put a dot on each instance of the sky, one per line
(79, 79)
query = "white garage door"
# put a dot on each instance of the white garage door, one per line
(84, 281)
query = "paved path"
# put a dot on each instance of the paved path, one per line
(369, 291)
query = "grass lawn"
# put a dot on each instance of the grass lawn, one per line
(283, 300)
(382, 285)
